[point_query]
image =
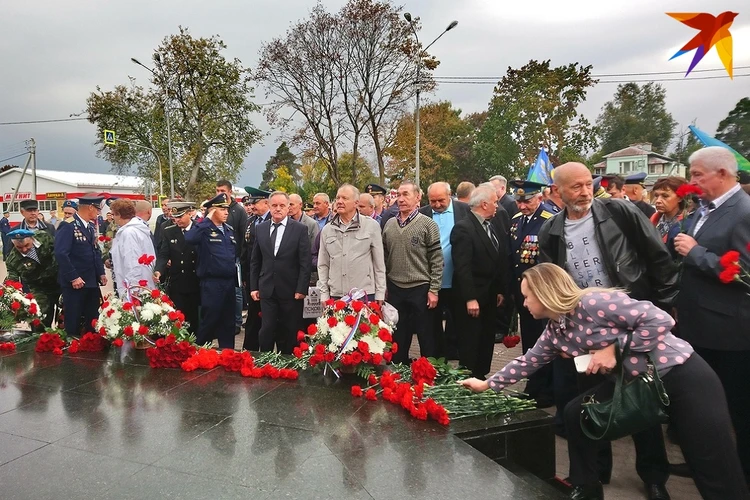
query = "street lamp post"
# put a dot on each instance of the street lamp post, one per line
(418, 82)
(157, 58)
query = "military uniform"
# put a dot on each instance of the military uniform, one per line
(4, 230)
(524, 247)
(217, 272)
(176, 263)
(78, 256)
(37, 271)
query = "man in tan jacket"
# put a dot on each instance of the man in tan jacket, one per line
(351, 251)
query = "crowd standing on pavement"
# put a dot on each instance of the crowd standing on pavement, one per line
(457, 267)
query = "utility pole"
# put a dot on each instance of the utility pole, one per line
(32, 152)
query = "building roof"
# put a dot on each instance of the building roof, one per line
(85, 179)
(634, 151)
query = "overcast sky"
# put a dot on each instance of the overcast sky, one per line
(53, 54)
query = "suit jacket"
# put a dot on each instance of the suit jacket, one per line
(181, 274)
(509, 204)
(460, 210)
(78, 255)
(247, 247)
(479, 271)
(286, 273)
(713, 314)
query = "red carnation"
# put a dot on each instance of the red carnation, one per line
(385, 335)
(511, 341)
(363, 347)
(371, 395)
(127, 306)
(729, 273)
(377, 359)
(297, 352)
(142, 283)
(57, 351)
(329, 302)
(155, 294)
(33, 309)
(387, 356)
(117, 342)
(687, 190)
(356, 391)
(320, 349)
(15, 306)
(364, 328)
(312, 329)
(732, 257)
(300, 336)
(332, 321)
(350, 320)
(339, 305)
(304, 346)
(128, 331)
(394, 348)
(143, 330)
(74, 346)
(374, 319)
(357, 305)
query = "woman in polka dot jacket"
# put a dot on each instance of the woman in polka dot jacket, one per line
(588, 322)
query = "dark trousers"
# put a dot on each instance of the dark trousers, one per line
(540, 384)
(252, 326)
(413, 316)
(697, 410)
(189, 304)
(282, 319)
(476, 338)
(217, 312)
(733, 369)
(446, 343)
(81, 306)
(505, 316)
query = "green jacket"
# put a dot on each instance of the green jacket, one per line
(42, 274)
(110, 233)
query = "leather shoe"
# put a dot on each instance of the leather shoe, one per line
(587, 492)
(681, 470)
(657, 492)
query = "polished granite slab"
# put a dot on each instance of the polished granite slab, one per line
(95, 426)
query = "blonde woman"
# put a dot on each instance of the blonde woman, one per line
(589, 321)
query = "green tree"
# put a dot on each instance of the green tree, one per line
(531, 107)
(735, 128)
(282, 158)
(637, 113)
(209, 101)
(687, 144)
(283, 181)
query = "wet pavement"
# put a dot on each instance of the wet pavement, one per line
(88, 425)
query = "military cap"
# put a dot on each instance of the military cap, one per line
(308, 207)
(638, 178)
(221, 200)
(179, 208)
(29, 205)
(20, 234)
(255, 194)
(6, 212)
(70, 204)
(109, 201)
(96, 201)
(526, 189)
(375, 189)
(247, 200)
(743, 177)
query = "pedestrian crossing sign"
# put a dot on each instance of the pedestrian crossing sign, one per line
(109, 137)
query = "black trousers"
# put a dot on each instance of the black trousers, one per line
(697, 410)
(217, 312)
(81, 306)
(252, 326)
(189, 304)
(282, 319)
(540, 384)
(446, 341)
(476, 338)
(733, 369)
(413, 316)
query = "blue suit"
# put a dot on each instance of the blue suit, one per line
(4, 230)
(218, 276)
(78, 256)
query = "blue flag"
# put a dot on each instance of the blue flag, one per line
(707, 140)
(541, 172)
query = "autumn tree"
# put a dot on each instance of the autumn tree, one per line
(636, 114)
(282, 158)
(209, 103)
(531, 107)
(282, 181)
(734, 130)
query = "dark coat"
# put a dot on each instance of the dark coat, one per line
(712, 314)
(238, 220)
(509, 204)
(479, 271)
(286, 273)
(634, 255)
(215, 250)
(180, 275)
(77, 254)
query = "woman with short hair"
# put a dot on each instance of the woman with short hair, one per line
(133, 239)
(670, 208)
(591, 321)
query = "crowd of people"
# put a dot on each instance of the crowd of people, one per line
(577, 265)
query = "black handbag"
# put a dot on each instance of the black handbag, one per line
(635, 405)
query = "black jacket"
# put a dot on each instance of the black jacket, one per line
(509, 204)
(238, 220)
(460, 210)
(286, 273)
(180, 275)
(634, 255)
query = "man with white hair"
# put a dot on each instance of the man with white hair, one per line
(713, 308)
(322, 209)
(504, 199)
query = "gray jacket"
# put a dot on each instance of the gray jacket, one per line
(351, 258)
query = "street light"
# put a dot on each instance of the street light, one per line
(452, 25)
(157, 58)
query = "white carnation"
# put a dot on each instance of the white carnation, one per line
(147, 314)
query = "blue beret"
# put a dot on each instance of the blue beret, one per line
(70, 204)
(19, 234)
(638, 178)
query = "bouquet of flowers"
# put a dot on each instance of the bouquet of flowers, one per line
(732, 270)
(348, 333)
(148, 313)
(16, 306)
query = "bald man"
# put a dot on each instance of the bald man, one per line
(606, 242)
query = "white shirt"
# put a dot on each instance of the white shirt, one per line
(713, 206)
(279, 234)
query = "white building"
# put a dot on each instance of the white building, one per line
(54, 187)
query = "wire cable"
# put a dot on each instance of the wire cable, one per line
(43, 121)
(11, 157)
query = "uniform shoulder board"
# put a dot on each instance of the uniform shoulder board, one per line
(545, 214)
(519, 214)
(170, 226)
(229, 226)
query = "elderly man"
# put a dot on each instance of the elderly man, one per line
(713, 314)
(378, 195)
(31, 219)
(480, 279)
(464, 190)
(70, 208)
(31, 261)
(635, 189)
(366, 206)
(132, 241)
(504, 199)
(414, 271)
(280, 275)
(81, 270)
(322, 209)
(296, 213)
(351, 251)
(605, 242)
(143, 210)
(446, 213)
